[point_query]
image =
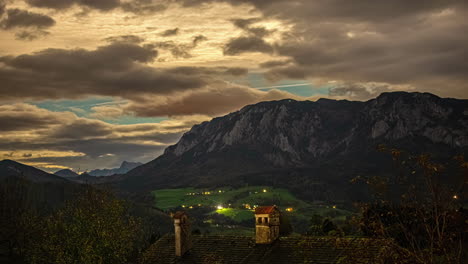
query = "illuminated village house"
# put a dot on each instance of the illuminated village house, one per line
(266, 247)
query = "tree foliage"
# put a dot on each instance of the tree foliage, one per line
(420, 209)
(94, 228)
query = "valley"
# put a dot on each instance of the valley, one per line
(234, 207)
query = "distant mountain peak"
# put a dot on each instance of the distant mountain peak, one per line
(66, 173)
(124, 168)
(11, 168)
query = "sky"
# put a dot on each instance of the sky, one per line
(88, 84)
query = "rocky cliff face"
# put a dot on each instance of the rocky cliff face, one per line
(328, 139)
(299, 131)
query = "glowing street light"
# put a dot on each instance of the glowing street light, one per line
(219, 207)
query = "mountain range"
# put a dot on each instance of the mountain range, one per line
(312, 148)
(124, 168)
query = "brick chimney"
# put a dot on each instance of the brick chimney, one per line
(183, 240)
(267, 224)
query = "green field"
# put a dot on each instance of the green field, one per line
(167, 199)
(236, 214)
(212, 207)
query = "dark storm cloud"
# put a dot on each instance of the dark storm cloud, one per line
(23, 117)
(30, 35)
(170, 32)
(237, 71)
(180, 50)
(275, 63)
(397, 42)
(245, 24)
(202, 71)
(118, 69)
(359, 91)
(362, 10)
(103, 5)
(28, 129)
(125, 39)
(251, 41)
(217, 100)
(177, 50)
(2, 8)
(247, 44)
(197, 39)
(22, 18)
(81, 129)
(144, 7)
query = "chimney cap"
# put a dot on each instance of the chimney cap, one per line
(179, 215)
(266, 209)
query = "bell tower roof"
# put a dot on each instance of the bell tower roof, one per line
(266, 209)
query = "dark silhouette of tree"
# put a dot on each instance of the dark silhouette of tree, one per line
(420, 209)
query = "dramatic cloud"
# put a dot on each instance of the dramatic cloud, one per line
(252, 41)
(31, 35)
(33, 134)
(116, 70)
(144, 7)
(125, 39)
(22, 18)
(214, 101)
(106, 112)
(197, 39)
(247, 44)
(170, 32)
(149, 60)
(257, 31)
(63, 4)
(397, 42)
(180, 50)
(2, 7)
(364, 91)
(20, 117)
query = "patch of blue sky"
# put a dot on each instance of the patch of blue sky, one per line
(130, 120)
(83, 108)
(297, 87)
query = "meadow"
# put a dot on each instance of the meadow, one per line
(238, 204)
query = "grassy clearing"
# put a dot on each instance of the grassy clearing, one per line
(235, 203)
(253, 195)
(237, 215)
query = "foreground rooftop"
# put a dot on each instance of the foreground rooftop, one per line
(241, 249)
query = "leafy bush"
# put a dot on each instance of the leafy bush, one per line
(94, 228)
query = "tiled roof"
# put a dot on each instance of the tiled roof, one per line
(237, 249)
(265, 209)
(179, 214)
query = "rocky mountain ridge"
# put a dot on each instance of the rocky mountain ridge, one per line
(300, 143)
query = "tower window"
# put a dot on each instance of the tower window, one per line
(265, 220)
